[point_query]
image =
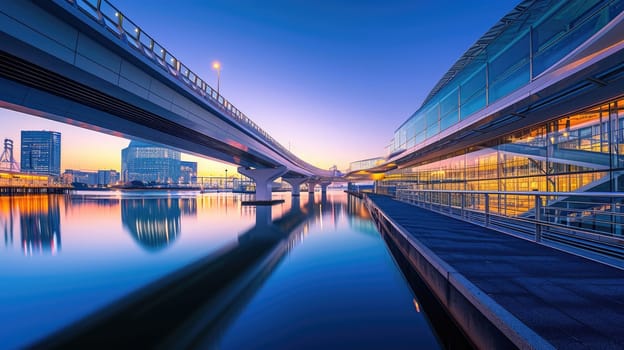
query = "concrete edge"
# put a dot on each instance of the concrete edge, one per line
(515, 330)
(519, 333)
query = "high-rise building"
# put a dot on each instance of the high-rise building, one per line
(41, 152)
(147, 162)
(188, 172)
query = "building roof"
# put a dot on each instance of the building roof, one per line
(519, 16)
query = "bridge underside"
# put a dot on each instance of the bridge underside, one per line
(30, 89)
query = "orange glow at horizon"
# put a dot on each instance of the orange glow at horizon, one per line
(91, 150)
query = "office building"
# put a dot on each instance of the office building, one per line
(107, 177)
(83, 177)
(41, 152)
(149, 163)
(188, 172)
(100, 178)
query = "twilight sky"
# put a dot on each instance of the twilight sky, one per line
(332, 79)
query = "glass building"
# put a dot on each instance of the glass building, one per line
(147, 162)
(188, 172)
(41, 152)
(154, 223)
(366, 163)
(536, 104)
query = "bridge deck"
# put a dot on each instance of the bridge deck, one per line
(569, 301)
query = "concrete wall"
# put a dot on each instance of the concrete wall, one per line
(454, 293)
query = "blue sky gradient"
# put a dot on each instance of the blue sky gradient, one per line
(330, 79)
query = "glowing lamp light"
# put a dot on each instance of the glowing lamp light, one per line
(216, 65)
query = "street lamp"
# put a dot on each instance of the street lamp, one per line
(217, 66)
(226, 179)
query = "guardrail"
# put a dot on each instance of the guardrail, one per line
(108, 16)
(588, 220)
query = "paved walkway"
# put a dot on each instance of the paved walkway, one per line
(573, 303)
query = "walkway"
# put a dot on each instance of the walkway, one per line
(569, 301)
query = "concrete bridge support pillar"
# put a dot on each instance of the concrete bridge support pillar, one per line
(324, 186)
(311, 185)
(263, 177)
(295, 182)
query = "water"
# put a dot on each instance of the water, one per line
(334, 286)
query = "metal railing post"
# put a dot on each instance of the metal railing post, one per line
(450, 207)
(538, 215)
(463, 204)
(487, 209)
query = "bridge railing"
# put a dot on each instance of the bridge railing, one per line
(589, 220)
(107, 15)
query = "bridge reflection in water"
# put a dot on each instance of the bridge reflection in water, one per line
(197, 302)
(180, 270)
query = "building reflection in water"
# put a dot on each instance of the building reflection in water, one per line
(7, 219)
(39, 222)
(154, 223)
(359, 218)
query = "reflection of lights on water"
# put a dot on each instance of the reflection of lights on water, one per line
(416, 305)
(53, 248)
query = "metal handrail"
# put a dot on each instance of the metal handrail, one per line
(111, 18)
(594, 224)
(526, 193)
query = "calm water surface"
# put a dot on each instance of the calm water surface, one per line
(64, 257)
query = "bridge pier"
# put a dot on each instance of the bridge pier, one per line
(263, 177)
(295, 183)
(324, 185)
(311, 185)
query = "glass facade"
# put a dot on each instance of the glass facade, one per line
(516, 51)
(365, 164)
(41, 152)
(188, 172)
(150, 163)
(583, 151)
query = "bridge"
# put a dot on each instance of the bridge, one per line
(84, 63)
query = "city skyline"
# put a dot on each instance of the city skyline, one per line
(77, 153)
(295, 93)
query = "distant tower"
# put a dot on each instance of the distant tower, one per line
(7, 162)
(41, 152)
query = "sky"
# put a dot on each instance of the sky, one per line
(329, 79)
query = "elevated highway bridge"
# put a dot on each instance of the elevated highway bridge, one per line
(84, 63)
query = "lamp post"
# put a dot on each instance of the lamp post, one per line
(226, 179)
(216, 65)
